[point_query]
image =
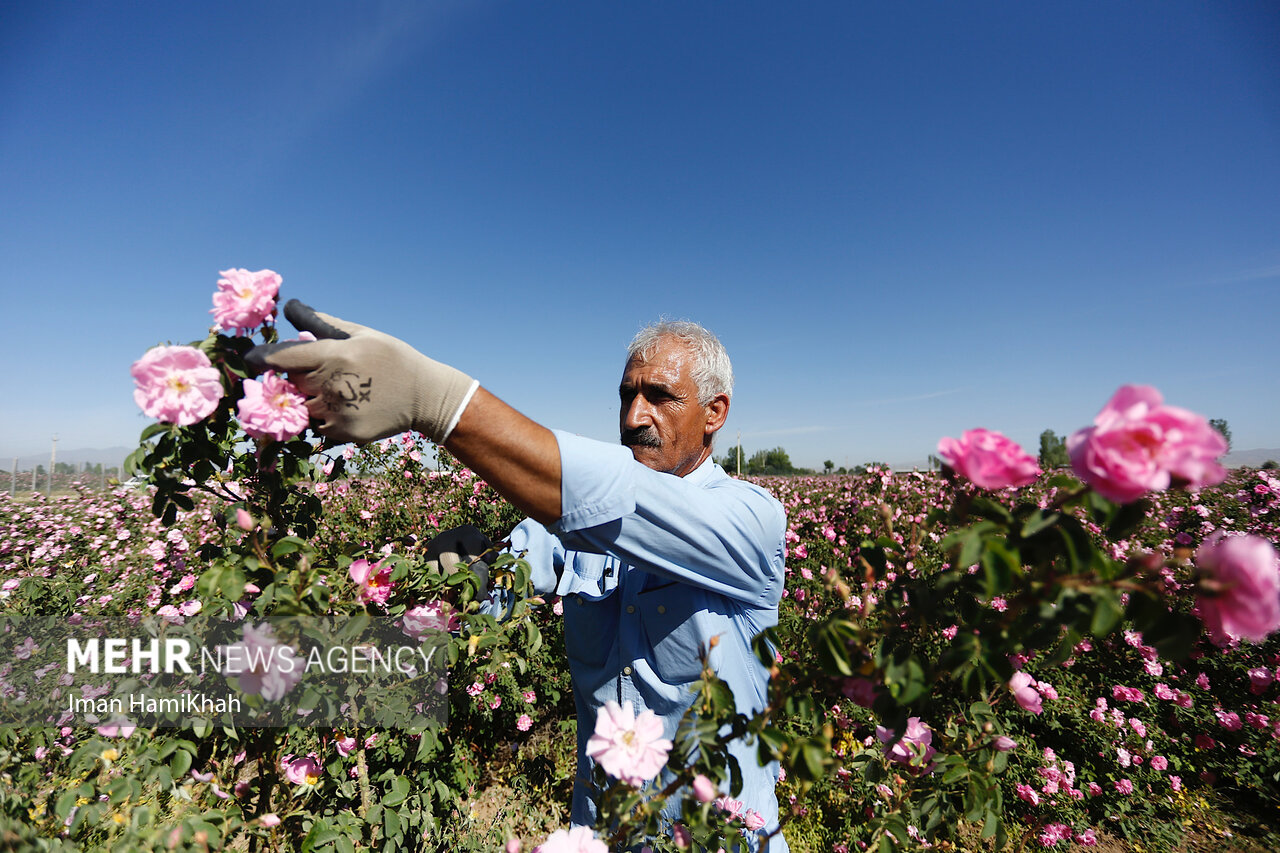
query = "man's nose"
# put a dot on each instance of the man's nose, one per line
(637, 413)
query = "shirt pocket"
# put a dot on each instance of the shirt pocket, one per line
(590, 608)
(672, 619)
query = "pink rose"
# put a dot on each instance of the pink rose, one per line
(1241, 594)
(373, 580)
(704, 789)
(630, 748)
(272, 408)
(302, 771)
(244, 299)
(861, 690)
(264, 665)
(425, 619)
(1023, 691)
(913, 749)
(177, 385)
(730, 806)
(1137, 445)
(269, 819)
(1004, 743)
(989, 460)
(524, 722)
(1124, 786)
(346, 745)
(580, 839)
(753, 820)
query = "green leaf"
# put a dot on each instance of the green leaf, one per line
(1039, 520)
(399, 791)
(321, 834)
(180, 764)
(1107, 613)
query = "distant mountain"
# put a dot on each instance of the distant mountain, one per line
(1250, 458)
(109, 456)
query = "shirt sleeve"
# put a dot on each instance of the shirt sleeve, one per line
(725, 536)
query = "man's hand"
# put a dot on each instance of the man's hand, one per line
(362, 384)
(464, 545)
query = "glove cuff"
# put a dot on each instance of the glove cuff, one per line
(443, 394)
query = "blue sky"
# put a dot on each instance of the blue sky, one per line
(903, 220)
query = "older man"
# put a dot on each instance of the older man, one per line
(655, 549)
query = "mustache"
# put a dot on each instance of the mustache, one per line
(641, 437)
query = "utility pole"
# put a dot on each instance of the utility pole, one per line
(53, 461)
(13, 481)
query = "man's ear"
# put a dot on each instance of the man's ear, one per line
(717, 413)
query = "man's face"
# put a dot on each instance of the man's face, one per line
(659, 415)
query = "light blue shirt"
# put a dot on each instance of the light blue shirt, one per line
(651, 568)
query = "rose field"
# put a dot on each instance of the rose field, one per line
(989, 657)
(1030, 720)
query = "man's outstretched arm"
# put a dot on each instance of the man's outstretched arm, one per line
(519, 457)
(362, 385)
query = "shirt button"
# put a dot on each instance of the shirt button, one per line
(631, 608)
(662, 608)
(626, 670)
(579, 600)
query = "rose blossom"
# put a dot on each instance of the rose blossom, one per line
(272, 408)
(424, 619)
(373, 580)
(580, 839)
(244, 299)
(302, 771)
(264, 665)
(346, 745)
(989, 460)
(1137, 444)
(629, 748)
(524, 722)
(905, 751)
(1021, 687)
(177, 385)
(704, 789)
(1241, 596)
(730, 806)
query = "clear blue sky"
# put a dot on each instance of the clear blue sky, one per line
(904, 220)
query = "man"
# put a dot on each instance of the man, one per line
(655, 549)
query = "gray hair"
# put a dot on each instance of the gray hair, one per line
(712, 373)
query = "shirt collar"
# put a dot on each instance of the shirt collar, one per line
(703, 474)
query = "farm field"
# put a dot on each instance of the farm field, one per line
(1130, 749)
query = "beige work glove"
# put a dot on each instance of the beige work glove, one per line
(466, 545)
(361, 384)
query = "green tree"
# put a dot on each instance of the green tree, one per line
(729, 461)
(1053, 451)
(828, 466)
(766, 462)
(1220, 424)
